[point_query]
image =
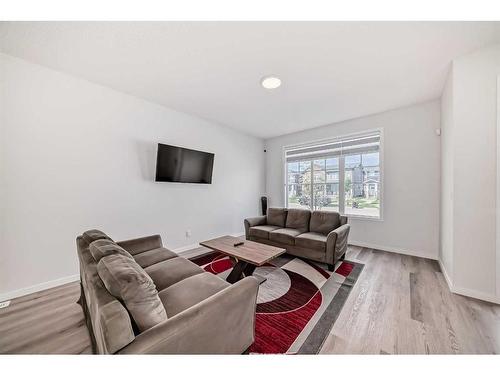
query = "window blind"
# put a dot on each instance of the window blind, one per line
(355, 145)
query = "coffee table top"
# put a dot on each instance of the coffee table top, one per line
(250, 252)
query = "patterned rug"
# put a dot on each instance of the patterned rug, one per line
(298, 303)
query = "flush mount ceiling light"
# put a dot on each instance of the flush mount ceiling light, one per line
(270, 82)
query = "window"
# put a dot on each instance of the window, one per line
(338, 175)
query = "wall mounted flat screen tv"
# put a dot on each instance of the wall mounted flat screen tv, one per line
(178, 164)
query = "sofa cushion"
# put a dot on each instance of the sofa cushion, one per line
(324, 221)
(104, 247)
(142, 244)
(172, 271)
(150, 257)
(284, 235)
(343, 220)
(262, 231)
(311, 240)
(190, 291)
(298, 219)
(276, 216)
(94, 234)
(128, 282)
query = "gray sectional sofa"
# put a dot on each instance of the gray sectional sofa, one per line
(317, 235)
(138, 297)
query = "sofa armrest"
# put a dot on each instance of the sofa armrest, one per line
(222, 324)
(254, 221)
(343, 219)
(336, 243)
(140, 245)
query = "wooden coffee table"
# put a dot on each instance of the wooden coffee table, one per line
(247, 256)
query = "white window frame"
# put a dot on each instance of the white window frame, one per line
(341, 171)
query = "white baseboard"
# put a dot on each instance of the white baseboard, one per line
(38, 287)
(68, 279)
(196, 245)
(475, 294)
(467, 292)
(183, 249)
(392, 250)
(445, 274)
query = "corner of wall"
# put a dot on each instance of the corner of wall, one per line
(445, 273)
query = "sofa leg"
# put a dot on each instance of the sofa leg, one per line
(342, 257)
(331, 267)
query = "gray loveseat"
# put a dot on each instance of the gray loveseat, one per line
(139, 297)
(317, 235)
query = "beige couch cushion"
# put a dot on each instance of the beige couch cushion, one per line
(276, 216)
(190, 291)
(150, 257)
(311, 240)
(262, 231)
(172, 271)
(298, 219)
(285, 236)
(94, 234)
(104, 247)
(127, 281)
(324, 222)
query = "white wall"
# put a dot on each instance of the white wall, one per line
(498, 192)
(447, 152)
(411, 177)
(475, 173)
(76, 155)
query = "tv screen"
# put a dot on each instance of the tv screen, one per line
(177, 164)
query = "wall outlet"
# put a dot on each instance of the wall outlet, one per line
(188, 233)
(4, 304)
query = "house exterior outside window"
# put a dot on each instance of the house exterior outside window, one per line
(343, 175)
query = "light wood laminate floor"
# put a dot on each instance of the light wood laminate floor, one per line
(400, 304)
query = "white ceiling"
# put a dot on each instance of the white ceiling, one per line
(331, 71)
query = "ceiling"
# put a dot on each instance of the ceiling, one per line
(331, 71)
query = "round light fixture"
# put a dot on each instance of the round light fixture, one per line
(270, 82)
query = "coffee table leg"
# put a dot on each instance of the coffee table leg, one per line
(249, 272)
(237, 272)
(249, 268)
(242, 269)
(260, 279)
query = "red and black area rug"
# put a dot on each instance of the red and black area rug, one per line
(298, 303)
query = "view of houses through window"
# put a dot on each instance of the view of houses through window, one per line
(362, 180)
(348, 183)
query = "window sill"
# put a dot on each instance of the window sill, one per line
(360, 217)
